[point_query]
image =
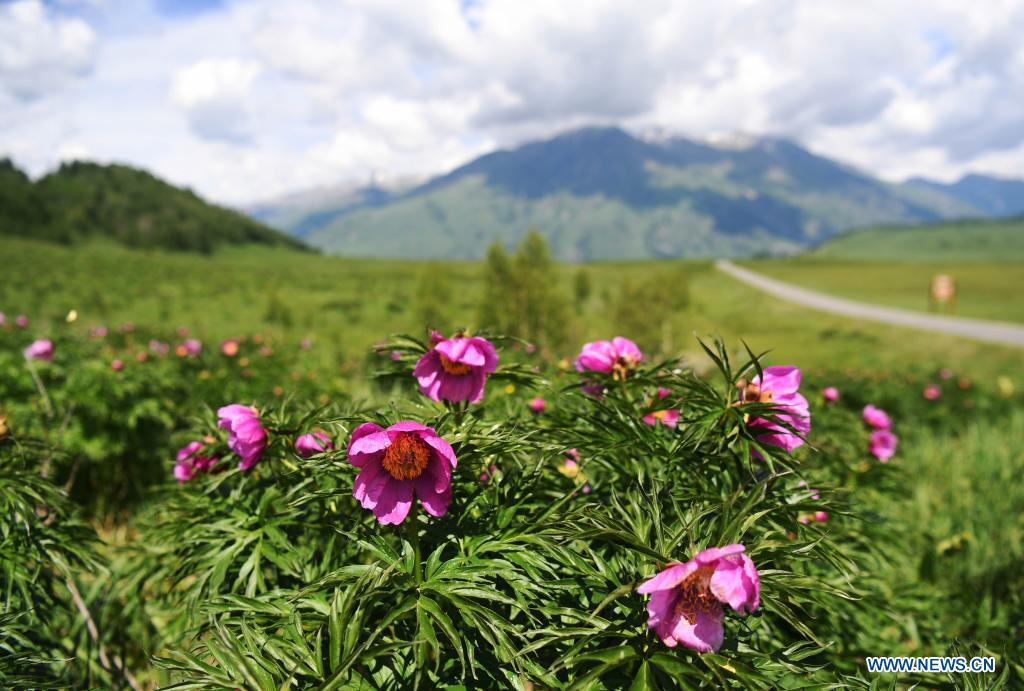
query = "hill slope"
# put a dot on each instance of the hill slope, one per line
(989, 195)
(968, 240)
(601, 193)
(86, 201)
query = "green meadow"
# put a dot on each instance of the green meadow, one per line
(985, 290)
(925, 550)
(347, 305)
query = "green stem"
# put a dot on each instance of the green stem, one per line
(41, 388)
(413, 533)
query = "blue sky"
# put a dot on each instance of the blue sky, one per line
(247, 100)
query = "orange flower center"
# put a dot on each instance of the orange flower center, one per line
(622, 368)
(659, 414)
(407, 457)
(454, 367)
(694, 595)
(753, 393)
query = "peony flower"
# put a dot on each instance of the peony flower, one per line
(21, 321)
(538, 405)
(830, 394)
(189, 462)
(882, 444)
(182, 331)
(669, 418)
(159, 347)
(98, 332)
(456, 369)
(192, 347)
(395, 463)
(821, 516)
(780, 388)
(617, 357)
(876, 417)
(311, 444)
(41, 349)
(117, 365)
(247, 438)
(686, 599)
(946, 373)
(932, 392)
(229, 347)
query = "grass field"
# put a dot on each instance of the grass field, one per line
(992, 290)
(345, 306)
(928, 546)
(960, 241)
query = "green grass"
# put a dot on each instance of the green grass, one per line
(347, 305)
(993, 290)
(959, 241)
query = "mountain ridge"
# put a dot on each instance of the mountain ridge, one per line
(82, 200)
(601, 193)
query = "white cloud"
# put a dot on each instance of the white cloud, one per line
(214, 94)
(257, 97)
(40, 52)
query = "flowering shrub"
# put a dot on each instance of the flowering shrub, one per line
(470, 540)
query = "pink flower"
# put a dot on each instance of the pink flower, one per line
(618, 357)
(182, 331)
(932, 392)
(876, 417)
(229, 347)
(193, 347)
(821, 516)
(247, 438)
(310, 444)
(405, 459)
(117, 365)
(190, 462)
(159, 347)
(305, 344)
(21, 321)
(830, 394)
(456, 369)
(882, 444)
(669, 418)
(538, 405)
(3, 319)
(98, 332)
(40, 350)
(780, 388)
(946, 373)
(127, 328)
(686, 599)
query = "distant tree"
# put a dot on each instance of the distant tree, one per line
(498, 301)
(522, 295)
(644, 309)
(581, 288)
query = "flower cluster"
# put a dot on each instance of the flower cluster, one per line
(882, 442)
(247, 438)
(687, 598)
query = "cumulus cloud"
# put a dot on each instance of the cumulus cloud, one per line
(214, 95)
(41, 52)
(254, 98)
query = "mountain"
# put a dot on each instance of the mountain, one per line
(967, 240)
(990, 196)
(87, 200)
(602, 193)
